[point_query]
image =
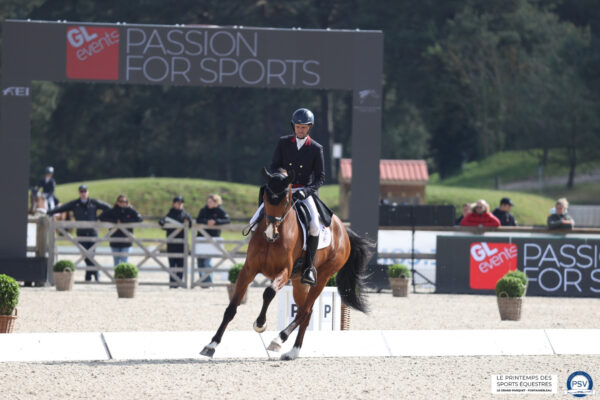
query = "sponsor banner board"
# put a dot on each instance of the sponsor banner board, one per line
(567, 267)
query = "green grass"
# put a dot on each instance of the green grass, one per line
(510, 166)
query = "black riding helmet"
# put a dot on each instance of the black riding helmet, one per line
(303, 116)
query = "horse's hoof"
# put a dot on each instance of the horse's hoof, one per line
(275, 345)
(259, 329)
(208, 351)
(291, 355)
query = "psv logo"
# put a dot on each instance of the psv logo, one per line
(92, 53)
(490, 262)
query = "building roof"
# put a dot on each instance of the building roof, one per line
(392, 171)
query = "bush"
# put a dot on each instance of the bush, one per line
(63, 265)
(510, 285)
(126, 271)
(397, 270)
(9, 294)
(234, 272)
(332, 280)
(519, 275)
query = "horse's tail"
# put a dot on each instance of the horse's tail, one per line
(351, 278)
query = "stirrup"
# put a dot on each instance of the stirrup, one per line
(309, 276)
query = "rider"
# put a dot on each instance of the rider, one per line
(47, 185)
(302, 154)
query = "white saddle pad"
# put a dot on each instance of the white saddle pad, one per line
(324, 235)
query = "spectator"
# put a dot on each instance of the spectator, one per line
(559, 218)
(122, 212)
(480, 215)
(176, 215)
(503, 212)
(84, 209)
(212, 214)
(48, 184)
(466, 208)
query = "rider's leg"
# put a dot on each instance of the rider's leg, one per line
(257, 216)
(309, 272)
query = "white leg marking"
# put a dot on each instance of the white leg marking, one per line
(292, 354)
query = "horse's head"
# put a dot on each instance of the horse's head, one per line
(277, 199)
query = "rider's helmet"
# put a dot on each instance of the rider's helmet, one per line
(303, 116)
(49, 170)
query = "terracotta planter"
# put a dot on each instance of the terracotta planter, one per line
(126, 287)
(64, 280)
(399, 286)
(510, 308)
(7, 322)
(231, 290)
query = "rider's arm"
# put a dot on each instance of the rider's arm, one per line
(318, 173)
(277, 160)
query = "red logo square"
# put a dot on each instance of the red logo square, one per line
(92, 53)
(490, 262)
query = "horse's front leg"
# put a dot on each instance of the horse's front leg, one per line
(244, 279)
(268, 295)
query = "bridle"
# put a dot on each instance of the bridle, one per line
(277, 221)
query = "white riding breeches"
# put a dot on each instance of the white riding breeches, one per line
(314, 226)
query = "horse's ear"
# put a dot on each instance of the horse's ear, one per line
(266, 174)
(290, 177)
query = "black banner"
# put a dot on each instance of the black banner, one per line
(555, 267)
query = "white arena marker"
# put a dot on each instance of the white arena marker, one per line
(343, 344)
(431, 343)
(574, 341)
(52, 347)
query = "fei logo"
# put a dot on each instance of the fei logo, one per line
(92, 53)
(490, 262)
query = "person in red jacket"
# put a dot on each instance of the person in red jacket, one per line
(480, 215)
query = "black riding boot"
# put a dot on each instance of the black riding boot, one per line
(309, 272)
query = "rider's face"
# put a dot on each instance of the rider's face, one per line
(301, 130)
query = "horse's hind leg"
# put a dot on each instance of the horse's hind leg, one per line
(268, 295)
(241, 286)
(295, 351)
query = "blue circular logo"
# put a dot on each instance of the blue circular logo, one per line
(580, 384)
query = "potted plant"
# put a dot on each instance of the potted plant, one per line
(234, 272)
(126, 280)
(399, 276)
(9, 298)
(519, 275)
(509, 292)
(64, 275)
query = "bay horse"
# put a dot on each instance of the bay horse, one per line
(38, 205)
(274, 249)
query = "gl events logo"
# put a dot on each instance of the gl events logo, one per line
(92, 53)
(490, 262)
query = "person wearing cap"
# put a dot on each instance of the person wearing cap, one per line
(301, 156)
(121, 213)
(47, 185)
(503, 212)
(559, 217)
(84, 209)
(176, 215)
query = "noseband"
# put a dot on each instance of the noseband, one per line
(277, 221)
